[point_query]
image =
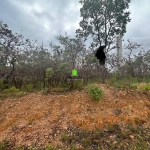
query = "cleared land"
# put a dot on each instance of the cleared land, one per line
(40, 120)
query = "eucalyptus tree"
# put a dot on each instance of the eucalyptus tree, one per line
(9, 50)
(104, 20)
(73, 50)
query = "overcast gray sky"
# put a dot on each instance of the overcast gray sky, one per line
(45, 19)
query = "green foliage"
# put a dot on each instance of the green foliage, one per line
(113, 80)
(94, 81)
(122, 82)
(2, 85)
(3, 145)
(143, 87)
(66, 137)
(134, 85)
(102, 24)
(45, 91)
(10, 90)
(129, 82)
(91, 59)
(64, 67)
(29, 87)
(96, 92)
(49, 148)
(77, 84)
(19, 94)
(49, 72)
(38, 85)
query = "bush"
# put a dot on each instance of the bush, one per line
(3, 85)
(74, 84)
(96, 92)
(45, 91)
(122, 82)
(29, 87)
(77, 84)
(49, 72)
(19, 94)
(134, 85)
(143, 87)
(10, 90)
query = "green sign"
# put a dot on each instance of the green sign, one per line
(74, 72)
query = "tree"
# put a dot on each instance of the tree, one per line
(104, 20)
(129, 60)
(74, 49)
(9, 51)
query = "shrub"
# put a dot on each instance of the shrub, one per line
(64, 67)
(19, 94)
(10, 90)
(96, 92)
(143, 87)
(74, 84)
(134, 85)
(77, 84)
(3, 85)
(45, 91)
(29, 87)
(38, 85)
(49, 72)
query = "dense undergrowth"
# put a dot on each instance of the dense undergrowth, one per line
(95, 92)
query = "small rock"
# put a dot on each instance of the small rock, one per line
(131, 136)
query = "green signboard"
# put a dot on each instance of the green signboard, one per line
(74, 72)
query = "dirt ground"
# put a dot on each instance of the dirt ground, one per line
(37, 119)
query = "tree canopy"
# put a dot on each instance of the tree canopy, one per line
(103, 19)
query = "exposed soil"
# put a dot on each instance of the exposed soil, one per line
(37, 119)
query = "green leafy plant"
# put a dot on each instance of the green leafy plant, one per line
(63, 67)
(96, 92)
(49, 72)
(29, 87)
(143, 87)
(77, 84)
(10, 90)
(134, 85)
